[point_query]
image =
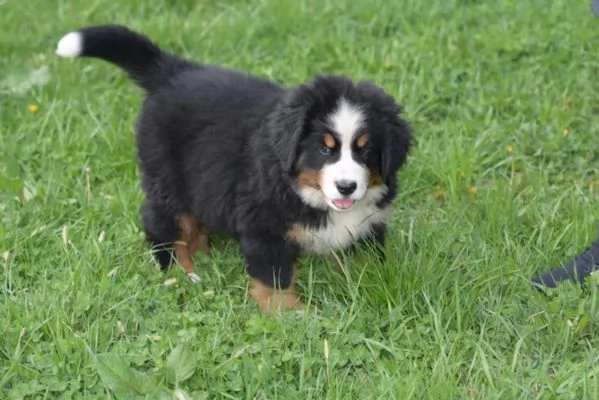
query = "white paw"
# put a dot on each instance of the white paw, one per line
(194, 277)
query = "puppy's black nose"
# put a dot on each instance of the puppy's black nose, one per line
(346, 187)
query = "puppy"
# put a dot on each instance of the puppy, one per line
(285, 171)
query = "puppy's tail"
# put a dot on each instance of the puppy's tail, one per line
(143, 60)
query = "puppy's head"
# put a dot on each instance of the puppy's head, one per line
(341, 143)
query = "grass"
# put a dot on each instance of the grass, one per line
(503, 96)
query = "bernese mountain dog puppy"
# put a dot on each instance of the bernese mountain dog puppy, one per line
(285, 171)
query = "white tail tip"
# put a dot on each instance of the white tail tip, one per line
(71, 45)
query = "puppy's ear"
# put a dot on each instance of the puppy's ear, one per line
(397, 144)
(287, 125)
(397, 132)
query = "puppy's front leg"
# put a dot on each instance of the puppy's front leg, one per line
(270, 264)
(375, 242)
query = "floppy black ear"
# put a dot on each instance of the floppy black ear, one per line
(397, 132)
(398, 141)
(287, 125)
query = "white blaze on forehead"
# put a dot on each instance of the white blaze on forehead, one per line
(346, 121)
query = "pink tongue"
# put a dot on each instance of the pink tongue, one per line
(343, 203)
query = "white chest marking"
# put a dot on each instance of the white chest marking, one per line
(341, 230)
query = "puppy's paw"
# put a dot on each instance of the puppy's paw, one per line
(281, 302)
(194, 277)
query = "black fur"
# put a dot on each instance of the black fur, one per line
(225, 147)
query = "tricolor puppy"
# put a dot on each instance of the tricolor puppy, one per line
(285, 171)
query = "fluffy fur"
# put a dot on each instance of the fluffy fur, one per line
(283, 170)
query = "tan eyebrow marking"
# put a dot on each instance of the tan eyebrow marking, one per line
(362, 140)
(329, 140)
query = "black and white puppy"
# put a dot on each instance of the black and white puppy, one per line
(285, 171)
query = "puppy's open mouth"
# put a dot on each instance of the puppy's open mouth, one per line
(343, 204)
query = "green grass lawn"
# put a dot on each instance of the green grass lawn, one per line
(503, 183)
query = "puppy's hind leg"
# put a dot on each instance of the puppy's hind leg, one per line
(191, 236)
(161, 232)
(200, 241)
(167, 234)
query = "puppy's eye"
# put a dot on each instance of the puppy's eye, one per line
(325, 150)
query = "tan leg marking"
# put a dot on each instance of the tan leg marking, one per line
(274, 301)
(192, 235)
(184, 256)
(200, 241)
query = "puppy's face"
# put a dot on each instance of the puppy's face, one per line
(341, 142)
(339, 159)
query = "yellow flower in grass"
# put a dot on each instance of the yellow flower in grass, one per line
(565, 132)
(438, 193)
(33, 108)
(472, 190)
(510, 149)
